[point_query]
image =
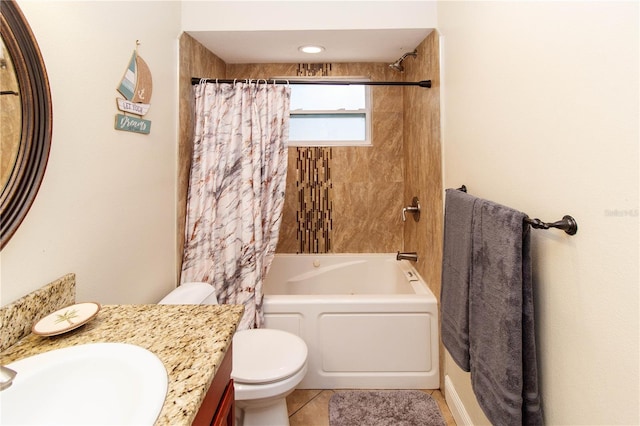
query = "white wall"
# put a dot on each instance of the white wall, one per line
(541, 114)
(106, 208)
(241, 15)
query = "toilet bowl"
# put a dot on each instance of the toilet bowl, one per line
(267, 364)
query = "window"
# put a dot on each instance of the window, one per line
(330, 115)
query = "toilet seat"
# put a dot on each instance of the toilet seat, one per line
(265, 355)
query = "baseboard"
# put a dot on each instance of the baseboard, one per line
(454, 402)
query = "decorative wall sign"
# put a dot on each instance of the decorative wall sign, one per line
(132, 107)
(132, 124)
(136, 86)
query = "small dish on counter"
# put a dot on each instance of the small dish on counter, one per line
(66, 319)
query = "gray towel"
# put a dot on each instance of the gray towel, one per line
(502, 348)
(456, 267)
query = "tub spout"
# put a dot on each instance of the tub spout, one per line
(410, 255)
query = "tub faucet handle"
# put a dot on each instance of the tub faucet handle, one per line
(414, 208)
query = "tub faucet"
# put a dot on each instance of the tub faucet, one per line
(414, 209)
(410, 255)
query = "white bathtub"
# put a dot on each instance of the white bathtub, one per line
(369, 321)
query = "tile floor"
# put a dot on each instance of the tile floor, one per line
(311, 407)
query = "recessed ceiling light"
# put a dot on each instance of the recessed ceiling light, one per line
(311, 49)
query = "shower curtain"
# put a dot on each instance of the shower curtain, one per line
(236, 190)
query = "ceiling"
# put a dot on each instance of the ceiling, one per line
(281, 46)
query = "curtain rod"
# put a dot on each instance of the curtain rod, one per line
(568, 224)
(423, 83)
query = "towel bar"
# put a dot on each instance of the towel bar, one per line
(568, 224)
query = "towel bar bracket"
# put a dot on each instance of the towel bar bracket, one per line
(568, 224)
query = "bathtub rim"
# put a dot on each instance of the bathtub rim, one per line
(418, 283)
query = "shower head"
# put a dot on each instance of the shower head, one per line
(397, 65)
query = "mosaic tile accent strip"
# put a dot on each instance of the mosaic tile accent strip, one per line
(314, 216)
(314, 70)
(17, 318)
(313, 181)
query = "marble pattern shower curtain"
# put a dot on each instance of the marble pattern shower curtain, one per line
(236, 190)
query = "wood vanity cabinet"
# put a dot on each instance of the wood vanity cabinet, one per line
(218, 407)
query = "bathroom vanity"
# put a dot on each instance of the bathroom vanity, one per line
(218, 407)
(192, 341)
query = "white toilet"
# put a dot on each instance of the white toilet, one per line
(267, 364)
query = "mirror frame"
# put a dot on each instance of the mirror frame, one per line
(24, 181)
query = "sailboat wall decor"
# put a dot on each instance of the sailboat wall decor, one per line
(136, 86)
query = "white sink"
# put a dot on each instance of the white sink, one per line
(97, 383)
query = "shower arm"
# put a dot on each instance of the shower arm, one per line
(397, 65)
(414, 54)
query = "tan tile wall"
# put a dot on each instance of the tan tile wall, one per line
(422, 154)
(423, 176)
(369, 181)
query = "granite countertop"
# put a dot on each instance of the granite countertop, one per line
(191, 341)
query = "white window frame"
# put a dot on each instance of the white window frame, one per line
(359, 112)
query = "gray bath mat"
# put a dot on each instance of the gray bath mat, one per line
(384, 408)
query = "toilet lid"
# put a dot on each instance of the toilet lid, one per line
(266, 355)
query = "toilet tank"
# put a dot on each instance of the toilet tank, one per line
(191, 294)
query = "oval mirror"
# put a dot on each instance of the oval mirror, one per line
(26, 118)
